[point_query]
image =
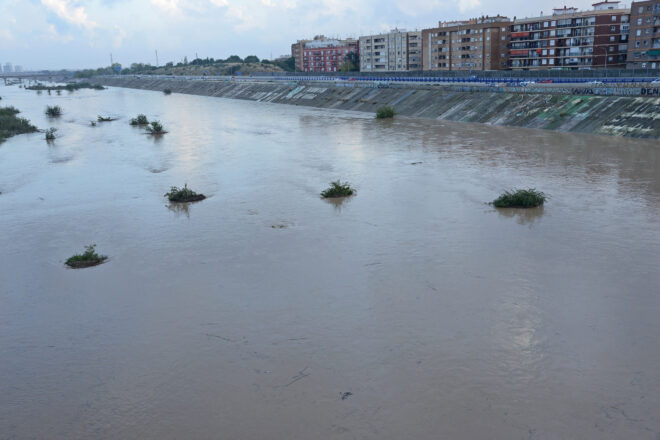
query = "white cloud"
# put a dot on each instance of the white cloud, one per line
(66, 11)
(118, 39)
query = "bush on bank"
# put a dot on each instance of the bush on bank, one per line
(384, 112)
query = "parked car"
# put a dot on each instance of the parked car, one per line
(596, 82)
(656, 81)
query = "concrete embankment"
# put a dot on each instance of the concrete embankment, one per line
(588, 113)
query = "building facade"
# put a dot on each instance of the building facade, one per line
(326, 55)
(475, 44)
(395, 51)
(571, 39)
(297, 53)
(644, 45)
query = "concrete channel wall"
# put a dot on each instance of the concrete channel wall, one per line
(637, 116)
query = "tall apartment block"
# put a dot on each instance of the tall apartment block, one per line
(644, 45)
(326, 55)
(297, 53)
(395, 51)
(571, 39)
(475, 44)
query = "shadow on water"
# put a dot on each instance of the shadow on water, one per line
(528, 216)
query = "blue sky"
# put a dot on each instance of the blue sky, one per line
(52, 34)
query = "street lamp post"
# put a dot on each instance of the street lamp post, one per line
(606, 55)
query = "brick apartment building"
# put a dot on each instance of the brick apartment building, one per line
(644, 45)
(571, 39)
(297, 53)
(326, 55)
(395, 51)
(475, 44)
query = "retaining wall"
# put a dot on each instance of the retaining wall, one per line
(589, 113)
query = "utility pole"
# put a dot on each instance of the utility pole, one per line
(156, 57)
(111, 62)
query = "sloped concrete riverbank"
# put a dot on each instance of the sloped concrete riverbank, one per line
(608, 115)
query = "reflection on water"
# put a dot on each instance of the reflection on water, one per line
(338, 202)
(180, 208)
(528, 216)
(444, 318)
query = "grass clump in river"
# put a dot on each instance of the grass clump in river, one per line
(167, 91)
(54, 111)
(156, 128)
(86, 259)
(338, 189)
(182, 195)
(384, 112)
(522, 198)
(11, 125)
(140, 120)
(105, 118)
(50, 134)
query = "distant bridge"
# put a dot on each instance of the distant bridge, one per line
(44, 76)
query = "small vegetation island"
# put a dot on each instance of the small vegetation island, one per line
(140, 120)
(385, 112)
(338, 189)
(88, 258)
(50, 134)
(156, 128)
(11, 125)
(183, 195)
(53, 111)
(167, 91)
(105, 118)
(70, 87)
(522, 198)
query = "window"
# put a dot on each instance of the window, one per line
(612, 38)
(639, 22)
(640, 10)
(611, 49)
(613, 29)
(614, 18)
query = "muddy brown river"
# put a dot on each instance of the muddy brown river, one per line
(413, 310)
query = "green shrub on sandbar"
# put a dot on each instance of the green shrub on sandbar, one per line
(384, 112)
(522, 198)
(140, 120)
(50, 134)
(156, 128)
(182, 195)
(11, 125)
(54, 111)
(338, 189)
(167, 91)
(86, 259)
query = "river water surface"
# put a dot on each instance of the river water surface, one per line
(253, 314)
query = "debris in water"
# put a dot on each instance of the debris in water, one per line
(346, 395)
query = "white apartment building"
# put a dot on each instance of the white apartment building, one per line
(395, 51)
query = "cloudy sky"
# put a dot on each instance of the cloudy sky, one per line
(52, 34)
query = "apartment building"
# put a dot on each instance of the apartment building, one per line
(571, 39)
(297, 52)
(395, 51)
(326, 55)
(644, 45)
(475, 44)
